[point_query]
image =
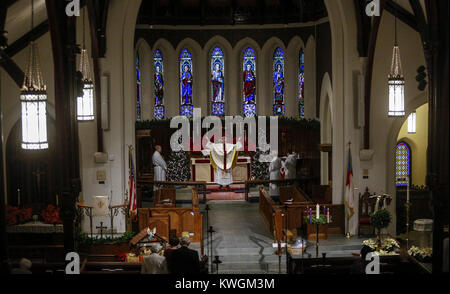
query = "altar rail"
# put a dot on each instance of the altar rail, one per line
(145, 182)
(273, 214)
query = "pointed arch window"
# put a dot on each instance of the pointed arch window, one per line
(138, 88)
(402, 164)
(186, 81)
(301, 83)
(218, 81)
(279, 107)
(158, 76)
(249, 82)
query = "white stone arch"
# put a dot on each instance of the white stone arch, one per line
(238, 51)
(326, 123)
(145, 59)
(412, 105)
(198, 93)
(292, 58)
(267, 64)
(171, 94)
(229, 72)
(310, 78)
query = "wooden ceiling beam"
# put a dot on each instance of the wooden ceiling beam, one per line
(402, 14)
(12, 69)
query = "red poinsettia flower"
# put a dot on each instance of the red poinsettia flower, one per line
(122, 257)
(50, 215)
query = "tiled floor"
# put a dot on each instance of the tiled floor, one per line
(241, 239)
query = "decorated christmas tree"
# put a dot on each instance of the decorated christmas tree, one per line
(260, 170)
(178, 167)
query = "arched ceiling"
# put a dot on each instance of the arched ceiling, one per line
(226, 12)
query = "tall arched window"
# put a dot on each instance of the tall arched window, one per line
(138, 88)
(158, 76)
(402, 164)
(218, 81)
(186, 80)
(278, 82)
(301, 83)
(249, 81)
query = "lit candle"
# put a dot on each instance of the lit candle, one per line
(317, 211)
(328, 215)
(57, 200)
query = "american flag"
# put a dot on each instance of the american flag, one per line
(132, 188)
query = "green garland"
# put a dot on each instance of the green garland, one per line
(322, 220)
(301, 122)
(86, 240)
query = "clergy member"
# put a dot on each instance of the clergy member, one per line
(275, 173)
(223, 158)
(160, 166)
(290, 166)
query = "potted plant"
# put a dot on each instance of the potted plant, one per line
(380, 219)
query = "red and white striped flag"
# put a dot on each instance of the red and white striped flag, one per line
(132, 187)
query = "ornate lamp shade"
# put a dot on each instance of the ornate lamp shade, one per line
(33, 98)
(412, 123)
(396, 84)
(85, 103)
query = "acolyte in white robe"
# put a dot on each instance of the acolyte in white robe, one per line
(223, 168)
(290, 166)
(160, 167)
(275, 174)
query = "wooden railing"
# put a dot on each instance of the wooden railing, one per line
(142, 182)
(276, 215)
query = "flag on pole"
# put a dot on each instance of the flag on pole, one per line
(132, 185)
(349, 190)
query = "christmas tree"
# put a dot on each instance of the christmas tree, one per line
(178, 167)
(260, 170)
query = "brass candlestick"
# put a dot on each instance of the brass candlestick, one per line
(408, 207)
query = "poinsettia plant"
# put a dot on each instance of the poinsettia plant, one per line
(15, 215)
(50, 215)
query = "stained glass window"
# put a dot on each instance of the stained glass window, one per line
(138, 88)
(186, 79)
(301, 84)
(158, 76)
(403, 164)
(218, 81)
(249, 82)
(278, 82)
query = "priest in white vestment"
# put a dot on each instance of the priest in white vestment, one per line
(275, 173)
(160, 166)
(290, 166)
(223, 157)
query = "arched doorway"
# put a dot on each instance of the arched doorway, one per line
(31, 173)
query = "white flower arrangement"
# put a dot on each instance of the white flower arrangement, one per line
(389, 246)
(370, 243)
(423, 253)
(384, 253)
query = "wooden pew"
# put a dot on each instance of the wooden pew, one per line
(174, 220)
(272, 213)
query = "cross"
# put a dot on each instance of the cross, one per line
(101, 229)
(38, 173)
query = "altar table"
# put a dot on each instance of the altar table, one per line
(202, 170)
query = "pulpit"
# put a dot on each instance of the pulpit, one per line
(202, 170)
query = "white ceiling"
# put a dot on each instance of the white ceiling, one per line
(18, 18)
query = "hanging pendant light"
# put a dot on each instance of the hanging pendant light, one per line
(33, 98)
(412, 123)
(396, 82)
(85, 103)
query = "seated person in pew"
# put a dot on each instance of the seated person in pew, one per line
(154, 263)
(185, 261)
(174, 243)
